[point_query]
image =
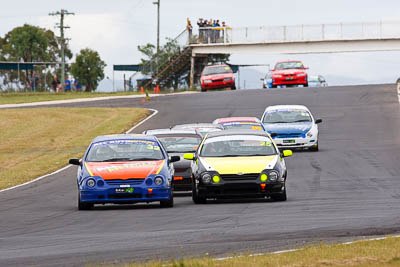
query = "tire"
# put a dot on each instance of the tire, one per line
(306, 85)
(84, 206)
(196, 198)
(168, 203)
(280, 196)
(203, 90)
(274, 86)
(315, 148)
(233, 87)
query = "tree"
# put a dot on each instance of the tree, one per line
(31, 44)
(88, 69)
(171, 49)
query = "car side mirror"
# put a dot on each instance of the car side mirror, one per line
(174, 158)
(262, 79)
(318, 121)
(75, 162)
(273, 134)
(189, 156)
(287, 153)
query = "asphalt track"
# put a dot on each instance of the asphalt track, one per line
(347, 190)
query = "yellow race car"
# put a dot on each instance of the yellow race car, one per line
(238, 163)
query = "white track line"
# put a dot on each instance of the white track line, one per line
(398, 91)
(293, 250)
(66, 167)
(79, 100)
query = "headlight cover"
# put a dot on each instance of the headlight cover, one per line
(91, 182)
(301, 74)
(207, 81)
(158, 180)
(206, 177)
(309, 134)
(277, 76)
(273, 176)
(227, 79)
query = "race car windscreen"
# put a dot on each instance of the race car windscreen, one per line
(242, 125)
(287, 116)
(180, 143)
(289, 65)
(237, 146)
(124, 150)
(217, 70)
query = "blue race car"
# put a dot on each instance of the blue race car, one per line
(125, 169)
(292, 126)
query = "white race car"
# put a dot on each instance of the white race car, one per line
(294, 126)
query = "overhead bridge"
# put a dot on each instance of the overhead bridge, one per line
(299, 39)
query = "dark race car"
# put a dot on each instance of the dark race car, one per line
(177, 143)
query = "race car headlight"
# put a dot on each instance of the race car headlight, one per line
(207, 81)
(227, 79)
(273, 176)
(158, 180)
(206, 178)
(301, 74)
(91, 182)
(277, 76)
(309, 134)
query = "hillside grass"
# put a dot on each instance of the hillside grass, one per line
(38, 141)
(30, 97)
(363, 253)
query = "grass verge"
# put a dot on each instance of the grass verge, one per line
(38, 141)
(363, 253)
(28, 97)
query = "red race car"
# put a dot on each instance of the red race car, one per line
(290, 72)
(217, 76)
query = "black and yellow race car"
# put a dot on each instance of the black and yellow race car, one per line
(238, 163)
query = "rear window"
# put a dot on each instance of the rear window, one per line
(217, 70)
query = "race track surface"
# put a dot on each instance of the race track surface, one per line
(349, 189)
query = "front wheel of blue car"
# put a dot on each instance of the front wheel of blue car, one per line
(84, 206)
(168, 203)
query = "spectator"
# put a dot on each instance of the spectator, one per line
(200, 23)
(34, 82)
(67, 84)
(55, 83)
(189, 28)
(77, 86)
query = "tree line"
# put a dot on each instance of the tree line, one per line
(28, 43)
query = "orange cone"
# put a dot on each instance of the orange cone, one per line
(141, 90)
(158, 89)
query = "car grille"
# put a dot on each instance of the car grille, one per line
(125, 181)
(124, 196)
(218, 80)
(244, 177)
(289, 135)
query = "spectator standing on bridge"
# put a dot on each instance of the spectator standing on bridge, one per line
(189, 29)
(201, 24)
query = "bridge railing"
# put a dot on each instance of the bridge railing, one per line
(299, 33)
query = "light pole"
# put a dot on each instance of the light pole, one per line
(158, 31)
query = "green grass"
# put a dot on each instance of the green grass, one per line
(363, 253)
(38, 141)
(28, 97)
